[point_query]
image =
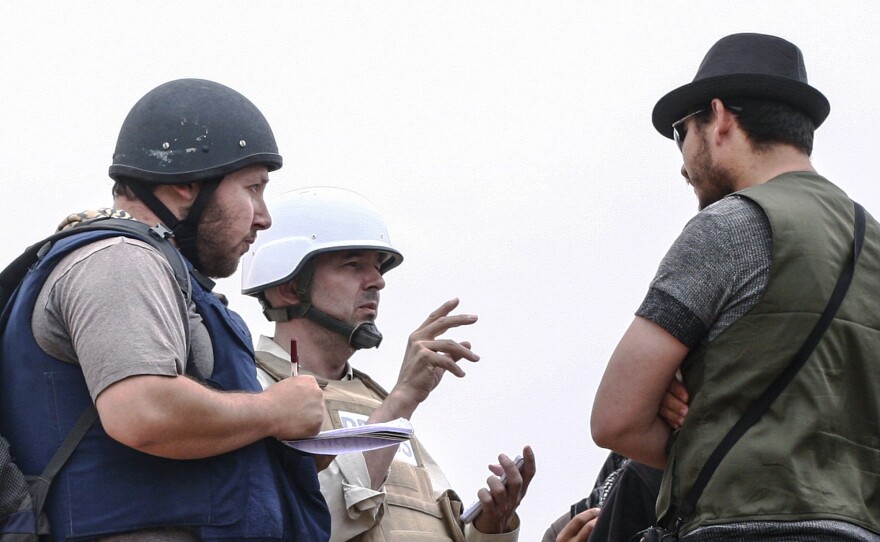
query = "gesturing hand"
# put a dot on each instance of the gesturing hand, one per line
(499, 501)
(427, 357)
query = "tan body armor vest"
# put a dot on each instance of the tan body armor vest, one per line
(411, 512)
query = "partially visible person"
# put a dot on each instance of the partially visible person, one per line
(734, 300)
(624, 496)
(577, 524)
(318, 275)
(185, 445)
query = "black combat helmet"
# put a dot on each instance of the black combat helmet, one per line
(187, 131)
(191, 130)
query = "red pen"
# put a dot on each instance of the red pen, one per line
(294, 359)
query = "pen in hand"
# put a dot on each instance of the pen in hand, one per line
(294, 359)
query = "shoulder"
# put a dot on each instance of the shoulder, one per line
(112, 269)
(724, 231)
(726, 214)
(114, 258)
(371, 384)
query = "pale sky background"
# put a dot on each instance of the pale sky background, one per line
(508, 143)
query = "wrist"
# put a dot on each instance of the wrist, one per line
(400, 404)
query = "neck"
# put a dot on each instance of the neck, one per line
(758, 167)
(137, 209)
(320, 351)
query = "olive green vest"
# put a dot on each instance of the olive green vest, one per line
(816, 453)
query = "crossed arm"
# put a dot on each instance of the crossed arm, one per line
(625, 412)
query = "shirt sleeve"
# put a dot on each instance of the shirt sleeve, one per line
(354, 505)
(117, 310)
(471, 534)
(714, 272)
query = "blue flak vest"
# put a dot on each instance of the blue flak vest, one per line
(264, 491)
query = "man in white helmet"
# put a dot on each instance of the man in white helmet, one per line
(318, 273)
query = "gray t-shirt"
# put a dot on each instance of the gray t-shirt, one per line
(713, 274)
(115, 308)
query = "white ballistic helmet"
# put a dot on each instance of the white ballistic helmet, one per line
(310, 221)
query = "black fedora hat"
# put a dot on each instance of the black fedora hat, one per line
(745, 66)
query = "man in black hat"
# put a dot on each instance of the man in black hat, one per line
(734, 300)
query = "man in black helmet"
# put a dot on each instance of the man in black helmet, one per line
(736, 306)
(185, 447)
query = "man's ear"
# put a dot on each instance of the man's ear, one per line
(178, 197)
(186, 192)
(725, 120)
(288, 294)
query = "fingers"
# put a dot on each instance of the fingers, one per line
(454, 350)
(677, 389)
(439, 321)
(440, 311)
(580, 527)
(673, 407)
(528, 470)
(500, 499)
(323, 461)
(299, 404)
(425, 348)
(672, 414)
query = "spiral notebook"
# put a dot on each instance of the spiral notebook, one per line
(355, 439)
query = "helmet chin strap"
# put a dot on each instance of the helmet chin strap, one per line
(184, 230)
(363, 335)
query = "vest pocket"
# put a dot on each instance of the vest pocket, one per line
(413, 520)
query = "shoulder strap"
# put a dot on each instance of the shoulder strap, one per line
(157, 236)
(371, 384)
(762, 404)
(39, 488)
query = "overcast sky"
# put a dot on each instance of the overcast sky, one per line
(508, 143)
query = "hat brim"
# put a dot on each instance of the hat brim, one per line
(677, 103)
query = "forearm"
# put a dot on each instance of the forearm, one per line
(639, 435)
(645, 444)
(625, 412)
(379, 461)
(179, 418)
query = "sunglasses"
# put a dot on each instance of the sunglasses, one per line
(679, 130)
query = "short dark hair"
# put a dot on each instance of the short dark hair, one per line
(768, 122)
(122, 187)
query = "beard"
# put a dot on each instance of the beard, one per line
(218, 259)
(710, 181)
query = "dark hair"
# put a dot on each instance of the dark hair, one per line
(767, 122)
(122, 187)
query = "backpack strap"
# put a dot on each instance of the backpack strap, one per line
(156, 236)
(39, 487)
